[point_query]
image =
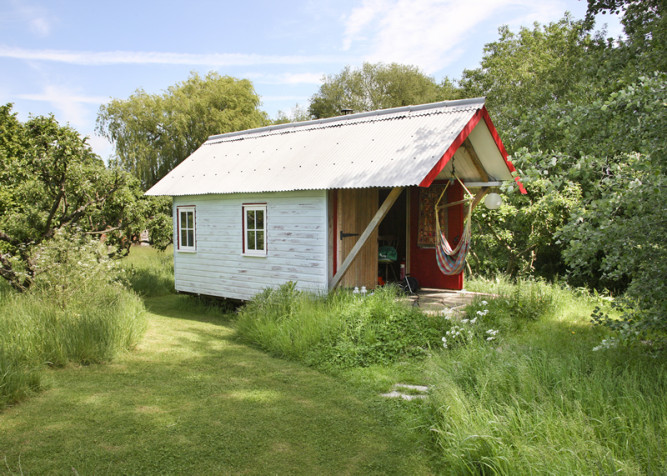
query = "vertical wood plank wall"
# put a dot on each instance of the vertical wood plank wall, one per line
(356, 208)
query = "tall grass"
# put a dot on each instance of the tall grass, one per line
(338, 331)
(149, 272)
(536, 399)
(77, 312)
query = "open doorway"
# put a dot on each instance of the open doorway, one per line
(392, 235)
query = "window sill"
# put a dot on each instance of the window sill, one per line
(193, 250)
(255, 255)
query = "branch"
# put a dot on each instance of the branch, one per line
(101, 232)
(5, 237)
(80, 211)
(7, 272)
(54, 209)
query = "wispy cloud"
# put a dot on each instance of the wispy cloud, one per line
(430, 33)
(38, 19)
(286, 78)
(94, 58)
(284, 98)
(72, 107)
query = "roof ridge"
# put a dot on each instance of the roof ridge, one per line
(350, 119)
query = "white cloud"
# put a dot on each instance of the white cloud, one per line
(431, 33)
(73, 108)
(39, 20)
(101, 146)
(153, 57)
(284, 98)
(286, 78)
(360, 18)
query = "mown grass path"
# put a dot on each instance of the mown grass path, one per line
(192, 400)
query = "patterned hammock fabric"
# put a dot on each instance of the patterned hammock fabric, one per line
(452, 260)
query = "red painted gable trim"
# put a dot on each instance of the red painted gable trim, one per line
(463, 135)
(501, 148)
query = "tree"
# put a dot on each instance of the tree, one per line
(52, 183)
(295, 114)
(584, 118)
(371, 87)
(153, 133)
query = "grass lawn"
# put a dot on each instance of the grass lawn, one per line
(192, 400)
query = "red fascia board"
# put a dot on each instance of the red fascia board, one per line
(446, 157)
(463, 135)
(501, 148)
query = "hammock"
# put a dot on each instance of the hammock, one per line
(452, 260)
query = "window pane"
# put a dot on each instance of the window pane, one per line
(251, 219)
(184, 238)
(260, 240)
(191, 237)
(184, 220)
(260, 219)
(251, 240)
(191, 220)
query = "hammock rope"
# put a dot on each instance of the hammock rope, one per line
(452, 260)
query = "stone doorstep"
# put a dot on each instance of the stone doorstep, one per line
(395, 393)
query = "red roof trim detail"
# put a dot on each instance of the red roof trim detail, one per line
(463, 135)
(501, 148)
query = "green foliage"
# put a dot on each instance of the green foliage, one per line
(340, 331)
(51, 183)
(153, 133)
(373, 86)
(148, 271)
(534, 397)
(296, 114)
(77, 312)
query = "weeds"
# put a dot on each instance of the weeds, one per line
(77, 312)
(339, 331)
(527, 393)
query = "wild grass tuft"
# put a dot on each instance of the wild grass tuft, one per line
(339, 331)
(536, 397)
(77, 312)
(149, 272)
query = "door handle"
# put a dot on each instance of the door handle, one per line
(345, 235)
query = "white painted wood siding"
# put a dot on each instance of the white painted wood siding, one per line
(296, 242)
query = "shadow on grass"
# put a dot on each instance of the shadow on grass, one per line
(186, 307)
(192, 401)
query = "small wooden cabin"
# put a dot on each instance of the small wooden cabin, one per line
(312, 202)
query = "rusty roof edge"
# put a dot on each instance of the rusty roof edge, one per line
(360, 115)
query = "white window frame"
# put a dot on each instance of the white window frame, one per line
(247, 207)
(190, 247)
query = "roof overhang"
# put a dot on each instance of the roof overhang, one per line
(406, 146)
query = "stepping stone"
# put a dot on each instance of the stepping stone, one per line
(396, 393)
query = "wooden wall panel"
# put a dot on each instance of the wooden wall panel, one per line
(356, 208)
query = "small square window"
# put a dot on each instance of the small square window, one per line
(254, 226)
(185, 217)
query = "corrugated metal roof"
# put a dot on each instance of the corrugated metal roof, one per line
(387, 148)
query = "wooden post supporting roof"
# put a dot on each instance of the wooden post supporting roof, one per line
(374, 223)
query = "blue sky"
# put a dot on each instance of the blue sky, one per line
(69, 57)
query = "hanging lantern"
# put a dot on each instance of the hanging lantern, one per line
(492, 201)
